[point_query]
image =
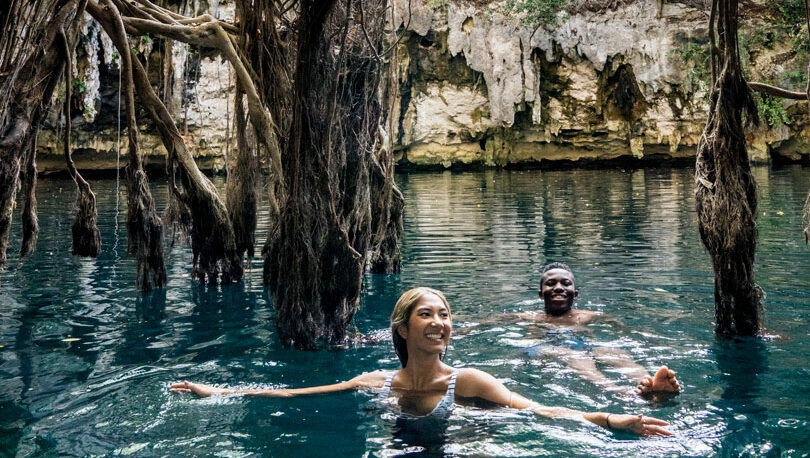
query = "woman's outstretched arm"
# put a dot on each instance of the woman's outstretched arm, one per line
(366, 380)
(475, 383)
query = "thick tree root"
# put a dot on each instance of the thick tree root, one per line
(725, 190)
(317, 253)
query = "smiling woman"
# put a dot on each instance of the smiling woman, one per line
(425, 386)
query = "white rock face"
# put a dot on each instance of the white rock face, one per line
(444, 124)
(207, 117)
(528, 95)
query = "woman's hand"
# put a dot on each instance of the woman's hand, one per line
(199, 389)
(638, 424)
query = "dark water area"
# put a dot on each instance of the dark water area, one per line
(86, 360)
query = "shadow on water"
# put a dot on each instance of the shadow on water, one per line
(141, 338)
(743, 365)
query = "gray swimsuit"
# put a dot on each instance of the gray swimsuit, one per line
(442, 409)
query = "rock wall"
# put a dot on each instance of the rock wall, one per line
(200, 97)
(476, 87)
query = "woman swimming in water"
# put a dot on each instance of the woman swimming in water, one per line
(425, 386)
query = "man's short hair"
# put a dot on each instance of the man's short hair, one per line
(556, 265)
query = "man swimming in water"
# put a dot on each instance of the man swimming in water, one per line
(564, 324)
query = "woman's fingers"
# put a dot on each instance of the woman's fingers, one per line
(182, 387)
(655, 421)
(653, 430)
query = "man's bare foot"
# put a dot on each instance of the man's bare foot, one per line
(663, 381)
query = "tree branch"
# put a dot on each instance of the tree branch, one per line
(777, 91)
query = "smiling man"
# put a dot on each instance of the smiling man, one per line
(564, 327)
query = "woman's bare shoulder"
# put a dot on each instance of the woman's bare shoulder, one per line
(477, 383)
(472, 380)
(374, 379)
(470, 374)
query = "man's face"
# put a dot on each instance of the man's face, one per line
(558, 291)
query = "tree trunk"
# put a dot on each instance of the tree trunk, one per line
(318, 251)
(725, 190)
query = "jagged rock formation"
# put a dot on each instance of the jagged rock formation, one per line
(200, 93)
(479, 87)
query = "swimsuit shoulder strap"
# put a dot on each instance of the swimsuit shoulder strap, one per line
(451, 387)
(386, 389)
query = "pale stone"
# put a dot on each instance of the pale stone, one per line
(505, 53)
(637, 147)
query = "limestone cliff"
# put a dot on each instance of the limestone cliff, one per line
(477, 87)
(195, 86)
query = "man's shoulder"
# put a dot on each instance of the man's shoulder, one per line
(584, 315)
(530, 315)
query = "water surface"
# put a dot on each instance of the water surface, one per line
(86, 360)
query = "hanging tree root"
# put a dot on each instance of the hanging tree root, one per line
(144, 226)
(28, 179)
(211, 234)
(387, 200)
(725, 191)
(212, 239)
(241, 190)
(806, 219)
(25, 96)
(9, 171)
(86, 237)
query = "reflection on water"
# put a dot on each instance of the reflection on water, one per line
(86, 360)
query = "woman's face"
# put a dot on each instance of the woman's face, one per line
(429, 325)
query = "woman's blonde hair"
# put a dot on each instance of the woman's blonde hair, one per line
(402, 313)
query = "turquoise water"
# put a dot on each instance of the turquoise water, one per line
(86, 361)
